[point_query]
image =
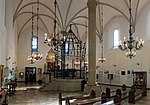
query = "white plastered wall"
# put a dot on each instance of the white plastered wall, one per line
(115, 58)
(7, 35)
(24, 50)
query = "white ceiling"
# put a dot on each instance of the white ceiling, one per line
(66, 11)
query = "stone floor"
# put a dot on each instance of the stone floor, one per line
(26, 95)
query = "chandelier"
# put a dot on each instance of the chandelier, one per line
(52, 41)
(130, 45)
(102, 59)
(31, 59)
(35, 55)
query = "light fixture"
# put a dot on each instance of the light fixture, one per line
(52, 41)
(31, 58)
(102, 58)
(35, 55)
(130, 45)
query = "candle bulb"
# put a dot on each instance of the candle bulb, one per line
(45, 36)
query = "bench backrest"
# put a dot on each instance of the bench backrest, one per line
(118, 92)
(108, 92)
(92, 94)
(103, 98)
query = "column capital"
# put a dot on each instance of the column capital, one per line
(92, 3)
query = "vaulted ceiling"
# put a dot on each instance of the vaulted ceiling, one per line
(72, 12)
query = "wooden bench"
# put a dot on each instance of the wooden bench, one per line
(110, 93)
(106, 97)
(87, 99)
(77, 97)
(103, 99)
(136, 94)
(120, 95)
(91, 101)
(3, 97)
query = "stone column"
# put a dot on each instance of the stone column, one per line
(92, 48)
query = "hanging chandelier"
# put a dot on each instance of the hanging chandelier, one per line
(35, 55)
(31, 59)
(53, 40)
(102, 59)
(131, 45)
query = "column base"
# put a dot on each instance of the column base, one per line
(95, 87)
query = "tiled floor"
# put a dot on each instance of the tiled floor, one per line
(40, 97)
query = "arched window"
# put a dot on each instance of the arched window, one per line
(34, 43)
(116, 38)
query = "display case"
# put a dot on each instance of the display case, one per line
(140, 79)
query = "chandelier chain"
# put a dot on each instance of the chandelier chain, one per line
(102, 59)
(37, 16)
(102, 30)
(32, 28)
(131, 45)
(55, 3)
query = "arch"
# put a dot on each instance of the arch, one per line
(97, 31)
(39, 15)
(75, 16)
(114, 9)
(28, 21)
(36, 3)
(141, 10)
(110, 34)
(68, 11)
(17, 9)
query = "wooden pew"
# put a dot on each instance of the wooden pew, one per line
(77, 97)
(120, 95)
(110, 93)
(3, 97)
(60, 99)
(91, 101)
(85, 100)
(135, 94)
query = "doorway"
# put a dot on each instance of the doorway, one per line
(30, 75)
